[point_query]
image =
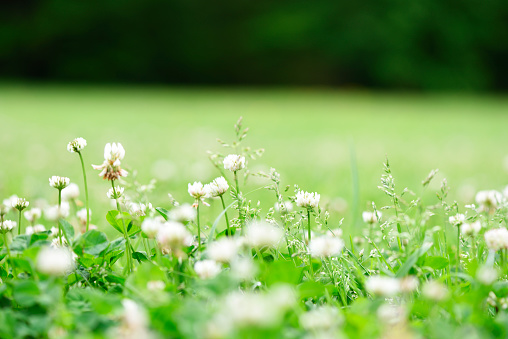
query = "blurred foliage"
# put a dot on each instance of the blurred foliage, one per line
(431, 44)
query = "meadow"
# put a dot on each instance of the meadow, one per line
(347, 252)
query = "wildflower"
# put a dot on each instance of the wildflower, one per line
(382, 286)
(216, 188)
(53, 213)
(8, 225)
(325, 246)
(8, 204)
(134, 321)
(32, 214)
(409, 284)
(54, 261)
(59, 182)
(243, 269)
(71, 192)
(76, 145)
(234, 162)
(20, 204)
(284, 207)
(486, 275)
(140, 209)
(307, 200)
(497, 238)
(183, 213)
(223, 250)
(81, 214)
(262, 234)
(371, 217)
(151, 226)
(115, 193)
(207, 269)
(334, 233)
(251, 309)
(471, 229)
(435, 290)
(457, 219)
(391, 314)
(196, 190)
(110, 168)
(323, 318)
(173, 235)
(488, 200)
(35, 229)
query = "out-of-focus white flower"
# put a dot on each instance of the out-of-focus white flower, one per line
(323, 318)
(134, 321)
(334, 233)
(59, 182)
(234, 162)
(470, 229)
(196, 190)
(115, 193)
(59, 242)
(307, 200)
(54, 261)
(8, 203)
(325, 246)
(207, 269)
(497, 239)
(371, 217)
(32, 214)
(391, 314)
(435, 290)
(488, 200)
(284, 207)
(262, 234)
(409, 284)
(155, 285)
(110, 168)
(223, 250)
(173, 235)
(53, 213)
(20, 204)
(216, 188)
(457, 219)
(140, 209)
(243, 269)
(382, 286)
(151, 226)
(76, 145)
(54, 231)
(486, 275)
(8, 225)
(251, 309)
(183, 213)
(283, 296)
(81, 214)
(71, 192)
(35, 229)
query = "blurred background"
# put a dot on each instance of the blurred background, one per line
(328, 88)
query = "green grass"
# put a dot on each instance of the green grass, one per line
(309, 137)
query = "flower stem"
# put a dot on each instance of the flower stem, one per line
(308, 225)
(86, 192)
(19, 223)
(126, 235)
(199, 228)
(225, 214)
(240, 216)
(9, 258)
(458, 250)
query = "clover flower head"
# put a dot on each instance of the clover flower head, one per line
(497, 239)
(54, 261)
(76, 145)
(382, 286)
(307, 200)
(234, 162)
(326, 246)
(111, 167)
(371, 217)
(8, 225)
(70, 192)
(115, 193)
(207, 269)
(196, 190)
(32, 214)
(59, 182)
(262, 234)
(20, 204)
(216, 188)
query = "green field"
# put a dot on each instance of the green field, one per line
(310, 137)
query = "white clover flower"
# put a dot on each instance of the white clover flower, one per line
(173, 235)
(234, 162)
(223, 250)
(8, 225)
(409, 284)
(382, 286)
(59, 242)
(251, 309)
(140, 209)
(216, 188)
(115, 193)
(134, 321)
(183, 213)
(371, 217)
(54, 261)
(243, 269)
(488, 200)
(53, 213)
(323, 318)
(391, 314)
(307, 200)
(76, 145)
(486, 275)
(20, 204)
(110, 168)
(32, 214)
(435, 291)
(151, 226)
(207, 269)
(54, 231)
(457, 219)
(262, 234)
(497, 239)
(196, 190)
(470, 229)
(334, 233)
(70, 192)
(325, 246)
(81, 214)
(155, 285)
(35, 229)
(284, 207)
(8, 203)
(59, 182)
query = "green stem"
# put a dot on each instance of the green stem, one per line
(19, 223)
(308, 225)
(199, 227)
(240, 216)
(458, 249)
(225, 214)
(126, 235)
(86, 192)
(9, 254)
(60, 232)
